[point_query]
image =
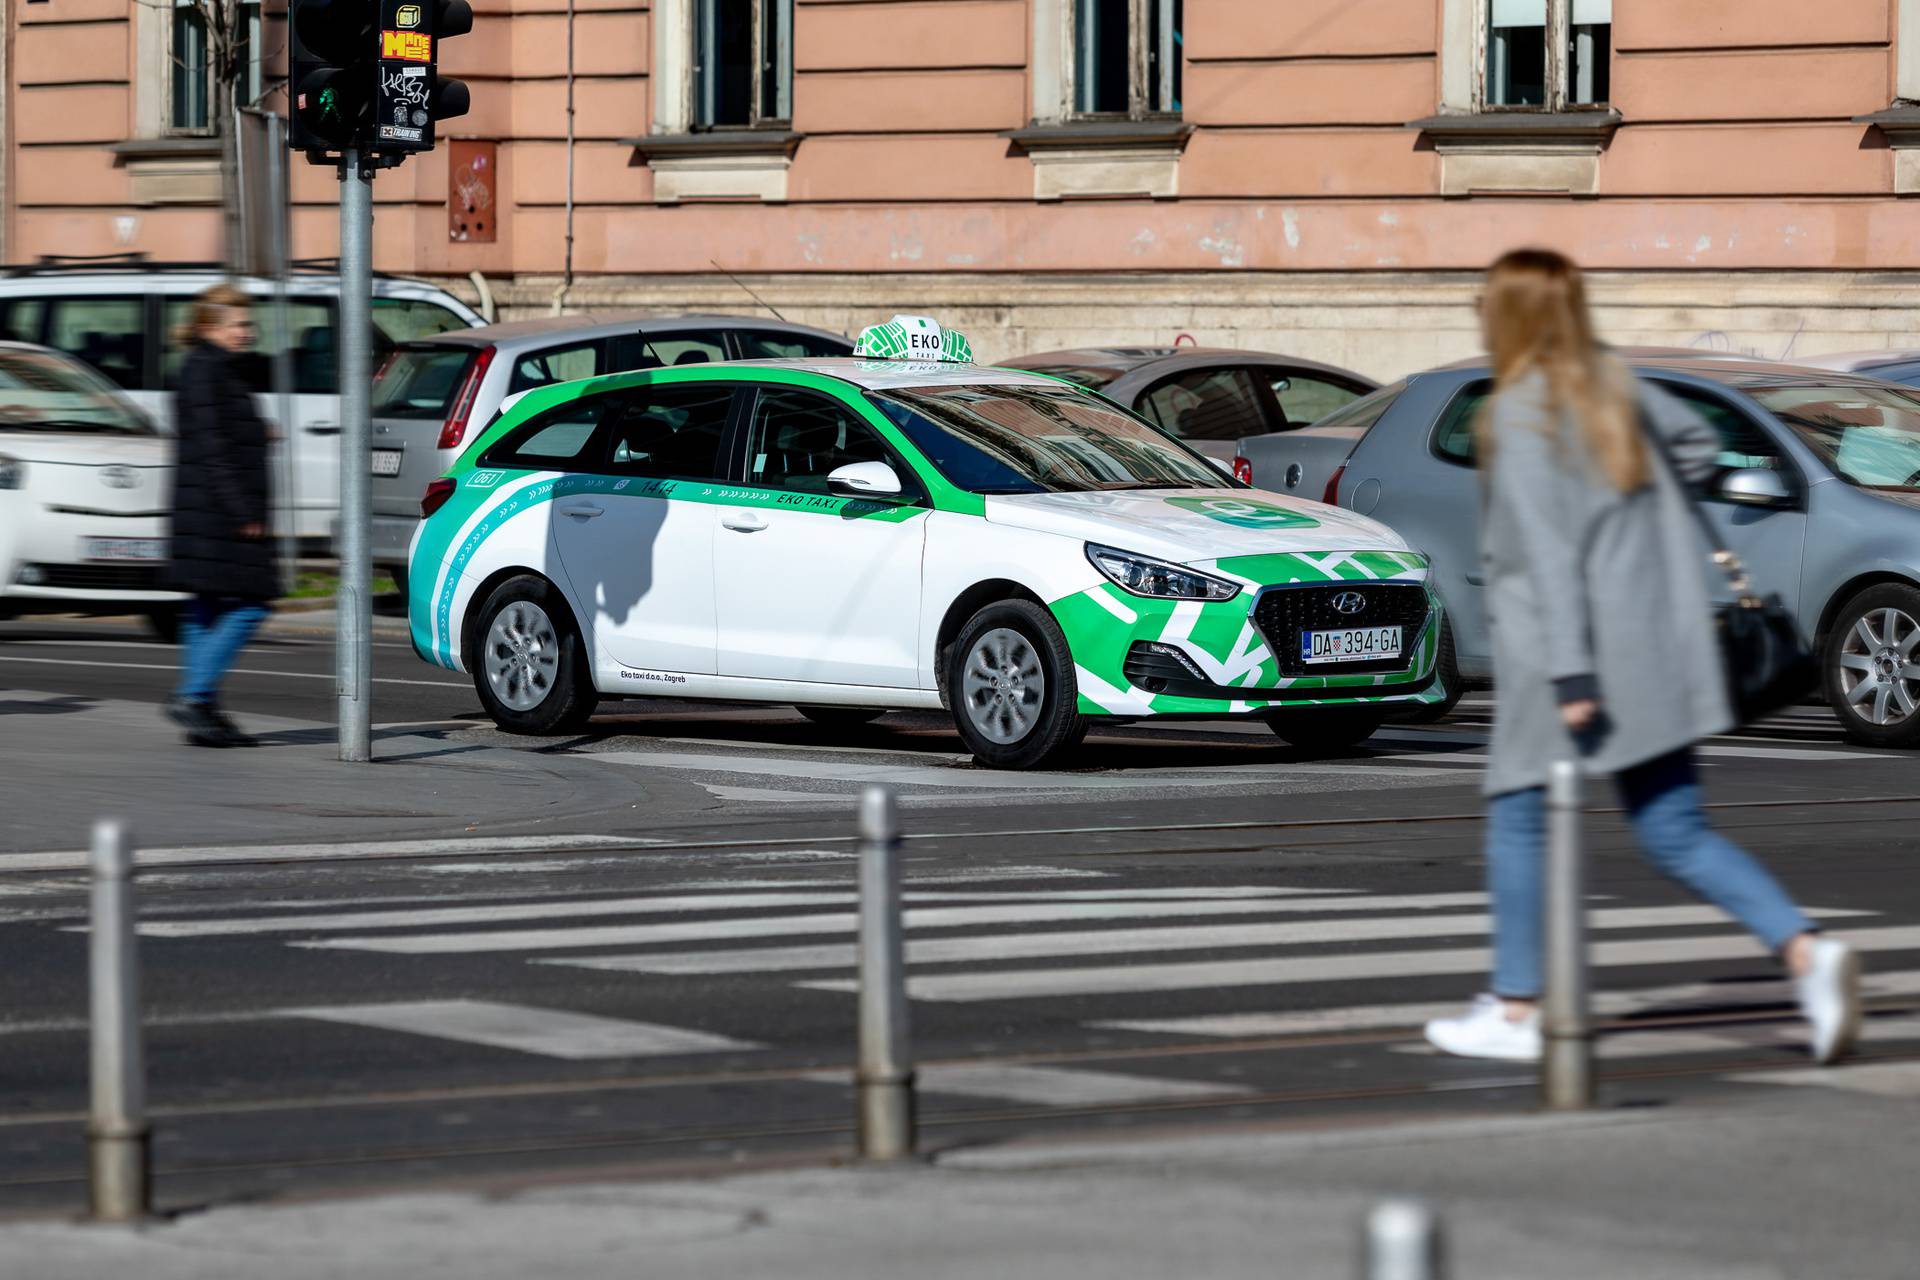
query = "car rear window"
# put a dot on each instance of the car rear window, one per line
(768, 344)
(420, 382)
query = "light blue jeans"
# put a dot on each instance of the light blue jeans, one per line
(1663, 802)
(213, 630)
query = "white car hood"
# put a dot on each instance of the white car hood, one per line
(1189, 526)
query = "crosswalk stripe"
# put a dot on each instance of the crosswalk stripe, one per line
(1021, 984)
(500, 913)
(1052, 1086)
(1606, 1004)
(1615, 1045)
(626, 935)
(551, 1033)
(1204, 937)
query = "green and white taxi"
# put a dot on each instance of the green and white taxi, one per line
(903, 529)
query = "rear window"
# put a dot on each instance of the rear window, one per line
(410, 319)
(420, 382)
(764, 344)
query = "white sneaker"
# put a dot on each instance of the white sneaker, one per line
(1830, 998)
(1485, 1031)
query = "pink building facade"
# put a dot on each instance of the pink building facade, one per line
(1321, 177)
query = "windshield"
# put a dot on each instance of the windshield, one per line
(419, 382)
(1870, 436)
(45, 393)
(1027, 439)
(1092, 377)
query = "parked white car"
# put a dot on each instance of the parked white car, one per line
(86, 483)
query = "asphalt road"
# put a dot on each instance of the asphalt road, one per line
(1190, 926)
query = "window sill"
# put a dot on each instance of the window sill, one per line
(1095, 158)
(719, 164)
(1900, 123)
(176, 170)
(1531, 152)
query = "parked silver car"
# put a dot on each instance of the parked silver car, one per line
(1819, 492)
(430, 394)
(1209, 397)
(1889, 366)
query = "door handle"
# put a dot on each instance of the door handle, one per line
(744, 522)
(1476, 580)
(582, 511)
(323, 428)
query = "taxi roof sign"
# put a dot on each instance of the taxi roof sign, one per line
(913, 338)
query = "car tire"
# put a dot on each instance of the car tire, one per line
(528, 660)
(1859, 650)
(1011, 685)
(1327, 729)
(841, 717)
(164, 622)
(1449, 677)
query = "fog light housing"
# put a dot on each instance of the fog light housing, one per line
(31, 575)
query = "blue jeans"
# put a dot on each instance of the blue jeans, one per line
(1663, 803)
(213, 630)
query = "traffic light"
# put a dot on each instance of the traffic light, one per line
(365, 76)
(410, 95)
(331, 75)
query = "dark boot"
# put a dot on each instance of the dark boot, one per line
(198, 719)
(236, 736)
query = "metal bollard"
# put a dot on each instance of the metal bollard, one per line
(1403, 1243)
(119, 1170)
(1566, 1065)
(884, 1077)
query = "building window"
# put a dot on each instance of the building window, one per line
(1549, 55)
(192, 70)
(743, 63)
(1126, 58)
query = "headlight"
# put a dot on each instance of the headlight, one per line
(1145, 576)
(13, 473)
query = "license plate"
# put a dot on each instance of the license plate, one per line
(1355, 644)
(124, 548)
(386, 462)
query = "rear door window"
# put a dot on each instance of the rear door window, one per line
(556, 364)
(1208, 404)
(629, 351)
(20, 319)
(409, 319)
(110, 334)
(420, 382)
(1453, 436)
(771, 344)
(313, 363)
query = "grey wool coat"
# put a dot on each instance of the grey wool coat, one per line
(1592, 592)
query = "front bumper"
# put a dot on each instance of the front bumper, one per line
(1137, 657)
(44, 565)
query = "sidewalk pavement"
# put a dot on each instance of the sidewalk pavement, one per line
(1762, 1182)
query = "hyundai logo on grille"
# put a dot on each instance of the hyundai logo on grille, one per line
(120, 477)
(1349, 602)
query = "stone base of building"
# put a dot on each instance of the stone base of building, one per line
(1384, 324)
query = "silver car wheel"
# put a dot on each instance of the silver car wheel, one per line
(1003, 686)
(1879, 667)
(523, 655)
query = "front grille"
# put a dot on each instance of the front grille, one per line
(99, 577)
(1282, 613)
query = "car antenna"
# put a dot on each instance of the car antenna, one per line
(750, 293)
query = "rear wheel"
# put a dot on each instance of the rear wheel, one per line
(529, 662)
(841, 717)
(1872, 666)
(1011, 684)
(1327, 728)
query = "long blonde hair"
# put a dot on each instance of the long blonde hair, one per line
(1535, 316)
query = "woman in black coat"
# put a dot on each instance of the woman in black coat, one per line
(220, 552)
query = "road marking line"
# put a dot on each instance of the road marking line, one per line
(1203, 937)
(1678, 998)
(76, 859)
(635, 935)
(492, 913)
(236, 671)
(550, 1033)
(1053, 1086)
(1614, 1045)
(1025, 984)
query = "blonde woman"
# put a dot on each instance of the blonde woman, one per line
(1604, 647)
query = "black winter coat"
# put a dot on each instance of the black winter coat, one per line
(220, 483)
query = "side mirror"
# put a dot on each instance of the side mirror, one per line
(864, 480)
(1756, 487)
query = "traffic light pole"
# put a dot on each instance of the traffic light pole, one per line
(353, 649)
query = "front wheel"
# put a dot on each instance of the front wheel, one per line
(1327, 729)
(1010, 681)
(529, 662)
(1871, 662)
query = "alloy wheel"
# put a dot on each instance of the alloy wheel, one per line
(523, 655)
(1880, 668)
(1003, 686)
